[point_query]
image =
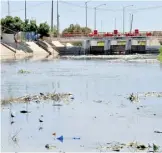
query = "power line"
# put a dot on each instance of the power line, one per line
(104, 9)
(29, 7)
(81, 6)
(147, 8)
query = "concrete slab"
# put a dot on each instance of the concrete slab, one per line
(57, 44)
(6, 53)
(36, 49)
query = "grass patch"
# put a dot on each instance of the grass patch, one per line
(77, 43)
(160, 55)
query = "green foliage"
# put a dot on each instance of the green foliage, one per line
(43, 29)
(160, 55)
(23, 71)
(77, 43)
(11, 25)
(76, 29)
(32, 26)
(15, 24)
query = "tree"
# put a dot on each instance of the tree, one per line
(86, 30)
(72, 29)
(33, 25)
(26, 26)
(18, 24)
(43, 29)
(11, 25)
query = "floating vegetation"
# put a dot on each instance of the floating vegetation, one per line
(156, 94)
(49, 96)
(155, 147)
(23, 71)
(135, 97)
(116, 146)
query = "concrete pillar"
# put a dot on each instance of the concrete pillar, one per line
(107, 46)
(86, 46)
(128, 46)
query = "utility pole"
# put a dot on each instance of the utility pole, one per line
(8, 8)
(131, 23)
(115, 24)
(95, 8)
(95, 19)
(57, 19)
(123, 20)
(124, 17)
(52, 17)
(86, 12)
(25, 10)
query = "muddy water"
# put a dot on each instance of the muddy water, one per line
(99, 113)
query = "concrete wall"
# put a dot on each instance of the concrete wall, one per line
(8, 38)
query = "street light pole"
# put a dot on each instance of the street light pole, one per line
(25, 10)
(8, 8)
(95, 8)
(124, 17)
(52, 17)
(95, 19)
(86, 11)
(115, 24)
(57, 19)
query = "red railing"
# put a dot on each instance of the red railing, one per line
(95, 33)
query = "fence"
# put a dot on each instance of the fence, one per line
(26, 36)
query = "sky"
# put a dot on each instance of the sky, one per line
(73, 12)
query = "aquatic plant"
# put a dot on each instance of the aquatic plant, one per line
(23, 71)
(49, 96)
(133, 98)
(160, 55)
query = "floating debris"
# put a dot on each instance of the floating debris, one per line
(157, 132)
(40, 120)
(12, 115)
(97, 101)
(47, 146)
(155, 147)
(37, 98)
(54, 134)
(157, 94)
(24, 111)
(41, 94)
(76, 138)
(23, 71)
(40, 128)
(57, 105)
(141, 147)
(12, 122)
(133, 98)
(61, 138)
(116, 146)
(113, 146)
